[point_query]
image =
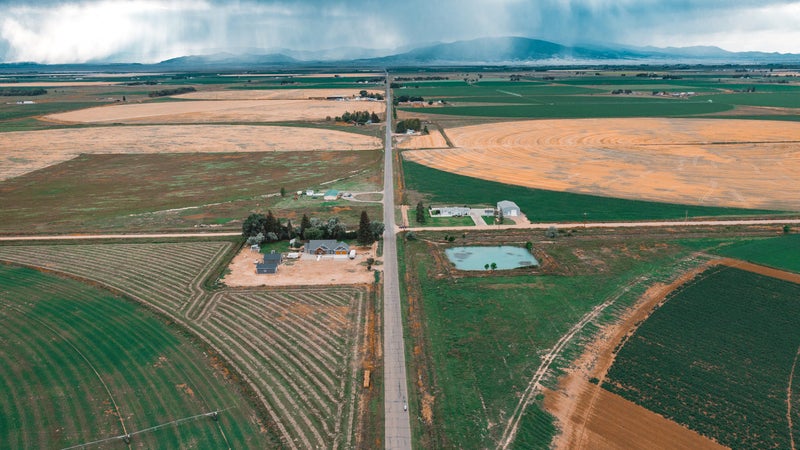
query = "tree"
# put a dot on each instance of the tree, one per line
(376, 228)
(255, 240)
(313, 233)
(529, 245)
(290, 229)
(364, 235)
(253, 225)
(494, 266)
(500, 216)
(420, 213)
(787, 229)
(283, 191)
(271, 224)
(374, 118)
(486, 266)
(305, 223)
(551, 232)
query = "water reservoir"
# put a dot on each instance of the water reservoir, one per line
(475, 258)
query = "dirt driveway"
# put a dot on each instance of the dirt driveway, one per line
(307, 270)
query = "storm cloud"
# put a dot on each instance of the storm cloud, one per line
(152, 30)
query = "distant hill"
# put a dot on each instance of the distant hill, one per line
(504, 50)
(482, 51)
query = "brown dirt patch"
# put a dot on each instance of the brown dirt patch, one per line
(275, 94)
(591, 417)
(736, 163)
(206, 111)
(762, 270)
(432, 140)
(305, 271)
(26, 151)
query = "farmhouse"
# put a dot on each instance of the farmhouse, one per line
(332, 194)
(270, 263)
(449, 211)
(327, 247)
(508, 208)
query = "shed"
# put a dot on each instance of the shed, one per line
(508, 208)
(332, 194)
(270, 263)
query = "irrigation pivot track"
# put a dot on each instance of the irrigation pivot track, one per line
(296, 350)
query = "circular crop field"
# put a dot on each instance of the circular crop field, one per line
(734, 163)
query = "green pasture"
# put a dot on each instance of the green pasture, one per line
(486, 334)
(717, 357)
(547, 206)
(71, 351)
(137, 191)
(781, 252)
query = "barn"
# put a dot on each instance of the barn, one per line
(508, 208)
(270, 263)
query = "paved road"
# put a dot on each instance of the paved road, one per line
(398, 430)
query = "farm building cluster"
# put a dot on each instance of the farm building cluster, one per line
(319, 248)
(506, 207)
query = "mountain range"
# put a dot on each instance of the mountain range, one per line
(482, 51)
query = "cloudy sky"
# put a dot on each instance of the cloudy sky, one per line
(60, 31)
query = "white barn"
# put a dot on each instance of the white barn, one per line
(508, 208)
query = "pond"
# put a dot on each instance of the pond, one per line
(505, 256)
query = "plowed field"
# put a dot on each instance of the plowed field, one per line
(734, 163)
(26, 151)
(205, 111)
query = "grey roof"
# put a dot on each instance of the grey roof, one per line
(504, 204)
(272, 257)
(330, 244)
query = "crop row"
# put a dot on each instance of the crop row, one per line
(302, 346)
(165, 276)
(119, 370)
(295, 348)
(717, 358)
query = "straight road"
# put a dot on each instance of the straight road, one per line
(395, 396)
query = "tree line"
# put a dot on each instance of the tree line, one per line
(359, 117)
(168, 92)
(406, 99)
(410, 124)
(372, 95)
(21, 92)
(260, 228)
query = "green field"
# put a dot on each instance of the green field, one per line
(293, 352)
(546, 206)
(123, 191)
(780, 252)
(482, 337)
(73, 357)
(717, 358)
(590, 97)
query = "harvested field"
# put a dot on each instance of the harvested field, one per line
(305, 271)
(205, 111)
(733, 163)
(26, 151)
(295, 351)
(274, 94)
(432, 140)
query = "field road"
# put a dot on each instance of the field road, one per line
(63, 237)
(397, 426)
(660, 224)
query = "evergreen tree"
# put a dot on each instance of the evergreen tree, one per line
(305, 224)
(253, 225)
(420, 213)
(364, 235)
(271, 224)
